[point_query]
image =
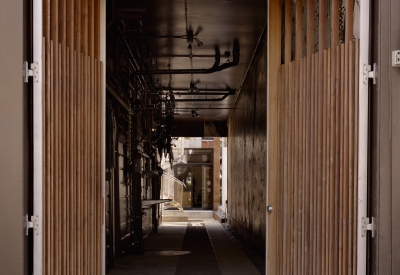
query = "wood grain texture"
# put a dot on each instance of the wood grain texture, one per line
(316, 195)
(72, 132)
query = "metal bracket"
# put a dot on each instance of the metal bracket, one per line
(368, 73)
(33, 223)
(34, 72)
(367, 225)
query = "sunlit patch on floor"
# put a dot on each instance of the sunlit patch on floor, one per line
(166, 253)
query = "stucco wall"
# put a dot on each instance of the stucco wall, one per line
(247, 156)
(14, 139)
(385, 140)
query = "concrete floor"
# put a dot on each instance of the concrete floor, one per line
(193, 247)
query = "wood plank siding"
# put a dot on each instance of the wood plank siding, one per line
(312, 138)
(72, 78)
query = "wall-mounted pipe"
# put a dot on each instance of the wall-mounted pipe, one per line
(119, 98)
(215, 68)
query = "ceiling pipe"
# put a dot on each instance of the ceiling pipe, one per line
(215, 68)
(199, 94)
(205, 108)
(203, 90)
(203, 99)
(184, 55)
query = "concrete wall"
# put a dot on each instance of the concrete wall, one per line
(385, 140)
(247, 156)
(14, 138)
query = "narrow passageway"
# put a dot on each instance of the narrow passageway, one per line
(193, 247)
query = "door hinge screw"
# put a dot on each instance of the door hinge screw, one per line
(368, 224)
(32, 223)
(33, 72)
(368, 73)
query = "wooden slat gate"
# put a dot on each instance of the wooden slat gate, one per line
(313, 106)
(72, 96)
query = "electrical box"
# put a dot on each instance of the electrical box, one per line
(396, 59)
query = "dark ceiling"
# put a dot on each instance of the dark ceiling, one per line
(219, 25)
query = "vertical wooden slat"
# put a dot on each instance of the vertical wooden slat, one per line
(310, 27)
(79, 196)
(285, 172)
(69, 179)
(321, 181)
(54, 20)
(96, 30)
(291, 166)
(351, 156)
(349, 20)
(299, 29)
(70, 10)
(336, 129)
(323, 132)
(338, 160)
(91, 27)
(341, 152)
(322, 26)
(288, 130)
(328, 160)
(280, 200)
(54, 216)
(335, 23)
(355, 176)
(296, 176)
(85, 156)
(77, 26)
(100, 217)
(288, 31)
(346, 159)
(58, 162)
(317, 166)
(332, 174)
(63, 189)
(307, 239)
(96, 148)
(84, 26)
(304, 246)
(47, 154)
(73, 183)
(50, 206)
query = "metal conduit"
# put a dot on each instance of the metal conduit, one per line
(202, 99)
(119, 98)
(215, 68)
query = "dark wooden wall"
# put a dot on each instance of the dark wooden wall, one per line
(246, 155)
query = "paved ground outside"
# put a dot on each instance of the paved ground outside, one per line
(195, 247)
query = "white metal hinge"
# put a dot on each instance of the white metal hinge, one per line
(367, 224)
(368, 73)
(33, 72)
(33, 223)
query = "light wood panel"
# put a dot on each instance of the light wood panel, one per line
(72, 133)
(315, 189)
